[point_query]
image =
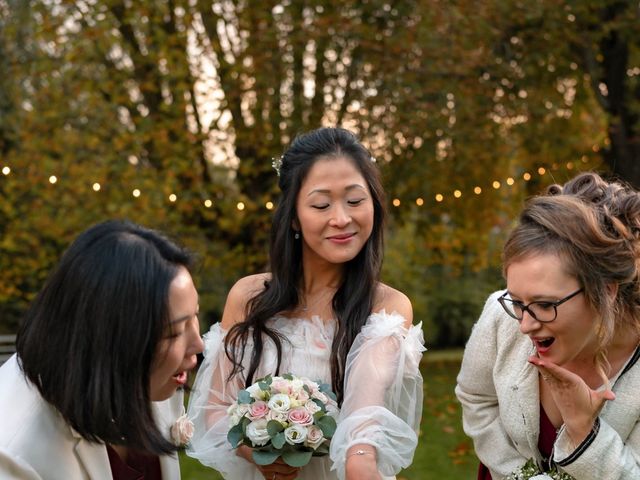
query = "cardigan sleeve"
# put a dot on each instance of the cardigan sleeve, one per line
(477, 394)
(603, 454)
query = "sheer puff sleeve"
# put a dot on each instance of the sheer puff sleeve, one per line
(210, 398)
(382, 405)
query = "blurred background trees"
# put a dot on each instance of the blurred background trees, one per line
(169, 112)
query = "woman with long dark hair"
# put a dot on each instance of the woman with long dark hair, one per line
(321, 313)
(92, 392)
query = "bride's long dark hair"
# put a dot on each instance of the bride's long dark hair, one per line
(353, 301)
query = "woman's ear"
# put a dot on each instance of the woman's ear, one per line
(295, 225)
(612, 291)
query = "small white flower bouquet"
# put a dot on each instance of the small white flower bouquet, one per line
(182, 430)
(531, 471)
(285, 416)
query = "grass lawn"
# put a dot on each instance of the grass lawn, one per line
(444, 452)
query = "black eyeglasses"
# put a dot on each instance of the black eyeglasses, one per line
(542, 311)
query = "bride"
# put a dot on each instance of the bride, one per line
(320, 313)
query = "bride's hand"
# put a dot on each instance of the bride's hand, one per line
(277, 470)
(578, 404)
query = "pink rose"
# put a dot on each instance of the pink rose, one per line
(281, 386)
(182, 431)
(303, 396)
(314, 437)
(301, 416)
(258, 410)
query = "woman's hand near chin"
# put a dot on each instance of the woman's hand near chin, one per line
(277, 470)
(578, 404)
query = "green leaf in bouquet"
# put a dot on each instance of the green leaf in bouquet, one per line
(274, 427)
(326, 389)
(278, 440)
(322, 406)
(244, 397)
(245, 423)
(327, 424)
(287, 376)
(322, 450)
(296, 458)
(265, 383)
(264, 457)
(235, 435)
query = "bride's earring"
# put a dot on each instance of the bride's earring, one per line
(296, 235)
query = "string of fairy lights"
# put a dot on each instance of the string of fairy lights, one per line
(438, 197)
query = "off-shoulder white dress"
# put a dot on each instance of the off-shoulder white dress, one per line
(382, 403)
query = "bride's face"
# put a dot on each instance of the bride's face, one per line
(335, 211)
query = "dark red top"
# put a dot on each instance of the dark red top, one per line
(546, 439)
(139, 466)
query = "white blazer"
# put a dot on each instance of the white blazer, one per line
(498, 390)
(36, 443)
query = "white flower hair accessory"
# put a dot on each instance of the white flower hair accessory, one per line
(182, 430)
(276, 163)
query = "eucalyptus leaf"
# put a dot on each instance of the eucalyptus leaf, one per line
(244, 397)
(235, 435)
(274, 427)
(278, 440)
(328, 425)
(296, 458)
(264, 457)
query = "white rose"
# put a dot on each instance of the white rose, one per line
(257, 432)
(280, 402)
(182, 430)
(311, 406)
(296, 385)
(295, 434)
(278, 416)
(322, 397)
(332, 410)
(542, 476)
(256, 392)
(314, 437)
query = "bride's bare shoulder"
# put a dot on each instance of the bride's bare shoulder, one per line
(242, 291)
(391, 300)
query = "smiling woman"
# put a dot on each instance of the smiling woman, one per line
(551, 372)
(321, 313)
(101, 353)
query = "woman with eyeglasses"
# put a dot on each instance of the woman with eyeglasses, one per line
(551, 371)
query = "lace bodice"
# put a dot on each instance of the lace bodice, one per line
(382, 382)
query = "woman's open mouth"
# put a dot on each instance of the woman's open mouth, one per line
(180, 378)
(543, 344)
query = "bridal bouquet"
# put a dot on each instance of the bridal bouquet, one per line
(531, 471)
(284, 416)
